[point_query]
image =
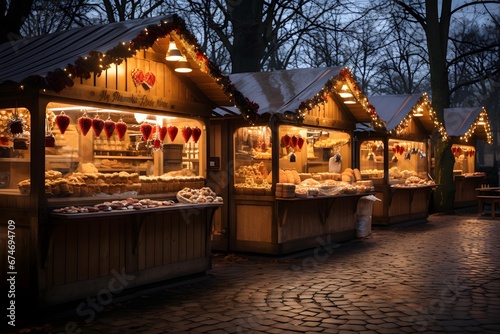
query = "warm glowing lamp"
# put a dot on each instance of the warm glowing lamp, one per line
(419, 112)
(183, 66)
(345, 92)
(173, 54)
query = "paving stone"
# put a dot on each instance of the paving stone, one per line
(400, 280)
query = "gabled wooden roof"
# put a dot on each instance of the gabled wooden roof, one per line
(44, 61)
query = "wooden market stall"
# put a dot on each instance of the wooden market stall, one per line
(466, 126)
(288, 160)
(397, 159)
(104, 148)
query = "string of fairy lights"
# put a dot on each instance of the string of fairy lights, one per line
(481, 120)
(333, 86)
(422, 104)
(97, 62)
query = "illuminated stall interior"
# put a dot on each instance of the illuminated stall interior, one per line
(398, 159)
(293, 160)
(409, 121)
(467, 126)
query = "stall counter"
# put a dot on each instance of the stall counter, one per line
(269, 225)
(83, 251)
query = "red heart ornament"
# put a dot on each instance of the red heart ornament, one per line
(84, 123)
(149, 80)
(196, 134)
(163, 133)
(137, 76)
(172, 132)
(186, 133)
(97, 125)
(156, 144)
(62, 122)
(146, 130)
(286, 140)
(294, 141)
(109, 128)
(121, 128)
(300, 142)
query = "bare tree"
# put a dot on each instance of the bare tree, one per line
(13, 15)
(260, 35)
(435, 19)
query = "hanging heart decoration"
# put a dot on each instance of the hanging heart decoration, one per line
(172, 132)
(109, 127)
(286, 140)
(84, 123)
(156, 144)
(196, 134)
(294, 141)
(62, 122)
(121, 128)
(163, 133)
(97, 125)
(300, 142)
(149, 80)
(186, 133)
(146, 129)
(137, 76)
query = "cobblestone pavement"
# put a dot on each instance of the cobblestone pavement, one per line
(437, 277)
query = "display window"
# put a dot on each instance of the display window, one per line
(15, 128)
(371, 160)
(312, 162)
(408, 163)
(94, 152)
(465, 156)
(253, 164)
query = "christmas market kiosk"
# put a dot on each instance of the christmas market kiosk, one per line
(397, 160)
(104, 147)
(466, 126)
(287, 160)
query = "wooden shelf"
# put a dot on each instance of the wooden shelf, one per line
(123, 157)
(14, 159)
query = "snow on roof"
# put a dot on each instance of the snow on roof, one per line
(280, 91)
(465, 122)
(392, 109)
(41, 54)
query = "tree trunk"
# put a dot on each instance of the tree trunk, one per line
(437, 31)
(248, 46)
(13, 19)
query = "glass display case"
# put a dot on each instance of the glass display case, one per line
(464, 159)
(15, 128)
(408, 164)
(312, 162)
(313, 150)
(91, 152)
(371, 160)
(253, 160)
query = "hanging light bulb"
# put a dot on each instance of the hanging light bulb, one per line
(173, 54)
(183, 66)
(419, 112)
(350, 100)
(481, 120)
(345, 92)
